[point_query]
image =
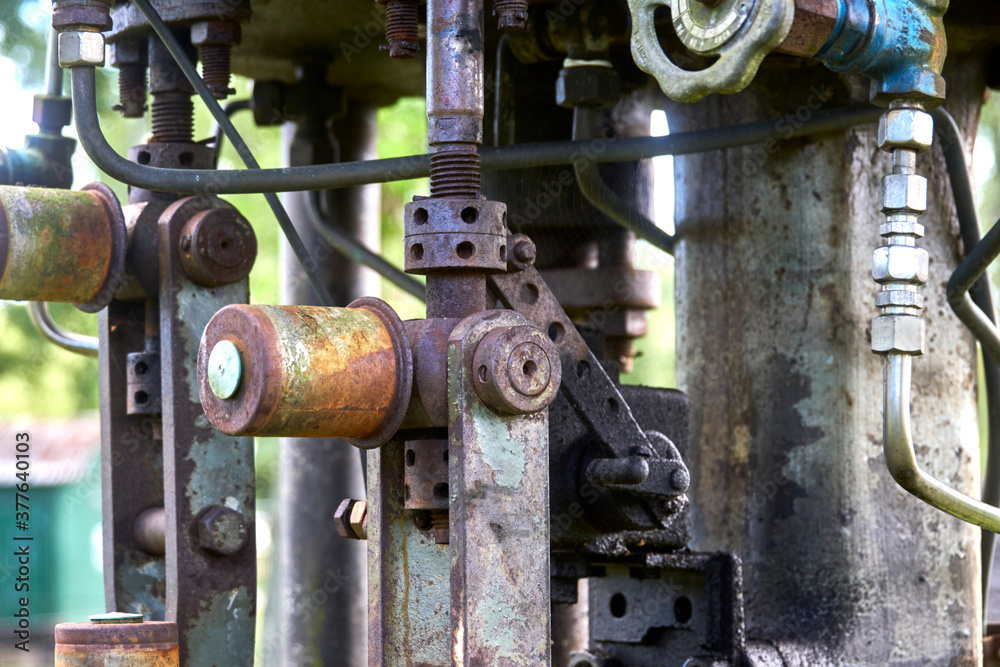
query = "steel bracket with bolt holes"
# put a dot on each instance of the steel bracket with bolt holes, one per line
(211, 563)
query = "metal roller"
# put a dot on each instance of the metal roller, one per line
(117, 639)
(306, 371)
(57, 245)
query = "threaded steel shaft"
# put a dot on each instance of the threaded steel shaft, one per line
(132, 90)
(173, 118)
(511, 15)
(216, 69)
(401, 23)
(456, 172)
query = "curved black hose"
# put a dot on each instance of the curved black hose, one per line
(191, 74)
(959, 286)
(595, 190)
(351, 174)
(220, 136)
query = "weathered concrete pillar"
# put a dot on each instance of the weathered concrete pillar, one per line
(774, 302)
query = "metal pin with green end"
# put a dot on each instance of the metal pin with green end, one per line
(224, 369)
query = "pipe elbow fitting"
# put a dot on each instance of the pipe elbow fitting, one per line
(899, 44)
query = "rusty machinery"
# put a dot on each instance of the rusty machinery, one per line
(522, 505)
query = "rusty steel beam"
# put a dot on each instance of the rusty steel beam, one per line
(211, 580)
(308, 371)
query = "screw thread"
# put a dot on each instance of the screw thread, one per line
(216, 68)
(401, 22)
(456, 172)
(511, 15)
(173, 118)
(132, 90)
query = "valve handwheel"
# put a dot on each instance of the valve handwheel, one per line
(739, 32)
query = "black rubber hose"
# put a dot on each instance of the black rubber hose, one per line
(220, 136)
(350, 174)
(953, 146)
(595, 190)
(191, 74)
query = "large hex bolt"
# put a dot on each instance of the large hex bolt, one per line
(351, 519)
(222, 531)
(511, 15)
(218, 247)
(517, 370)
(215, 40)
(401, 25)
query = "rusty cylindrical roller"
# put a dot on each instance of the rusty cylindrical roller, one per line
(138, 644)
(306, 371)
(58, 245)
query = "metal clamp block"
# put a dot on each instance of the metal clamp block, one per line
(900, 264)
(898, 334)
(905, 128)
(81, 48)
(904, 192)
(455, 234)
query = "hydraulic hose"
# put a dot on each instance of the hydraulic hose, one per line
(350, 174)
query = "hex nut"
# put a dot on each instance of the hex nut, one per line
(587, 85)
(222, 530)
(342, 518)
(128, 52)
(900, 264)
(359, 519)
(216, 33)
(904, 192)
(898, 334)
(899, 297)
(52, 112)
(81, 48)
(905, 128)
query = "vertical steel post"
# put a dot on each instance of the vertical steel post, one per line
(322, 595)
(774, 303)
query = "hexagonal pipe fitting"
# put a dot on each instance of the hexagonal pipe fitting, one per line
(905, 128)
(904, 192)
(900, 264)
(898, 334)
(81, 48)
(222, 530)
(517, 370)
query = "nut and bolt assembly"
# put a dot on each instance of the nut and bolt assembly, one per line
(511, 15)
(131, 59)
(222, 530)
(517, 370)
(401, 26)
(215, 40)
(350, 519)
(900, 267)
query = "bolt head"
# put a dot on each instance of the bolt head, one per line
(525, 252)
(216, 33)
(343, 518)
(52, 112)
(904, 192)
(897, 334)
(680, 479)
(528, 369)
(587, 85)
(222, 530)
(900, 264)
(359, 516)
(905, 128)
(81, 48)
(128, 52)
(225, 369)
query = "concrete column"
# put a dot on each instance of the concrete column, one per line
(774, 302)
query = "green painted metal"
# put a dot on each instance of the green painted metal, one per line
(499, 516)
(225, 370)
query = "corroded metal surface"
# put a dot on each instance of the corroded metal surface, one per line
(211, 597)
(408, 574)
(307, 371)
(152, 644)
(499, 516)
(57, 245)
(131, 470)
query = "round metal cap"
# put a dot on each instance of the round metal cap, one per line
(116, 617)
(224, 369)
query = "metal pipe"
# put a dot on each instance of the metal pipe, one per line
(53, 71)
(901, 458)
(350, 174)
(353, 250)
(42, 319)
(953, 146)
(596, 191)
(191, 73)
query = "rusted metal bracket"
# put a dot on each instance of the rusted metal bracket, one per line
(587, 386)
(131, 470)
(499, 515)
(209, 477)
